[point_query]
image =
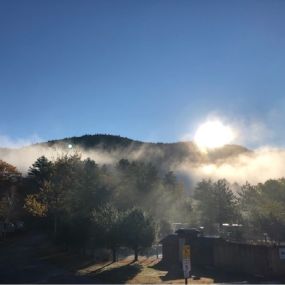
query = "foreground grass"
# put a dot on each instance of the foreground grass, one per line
(33, 258)
(145, 271)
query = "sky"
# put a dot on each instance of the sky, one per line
(146, 69)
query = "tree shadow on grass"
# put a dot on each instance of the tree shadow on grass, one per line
(117, 275)
(92, 263)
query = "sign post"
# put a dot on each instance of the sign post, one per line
(186, 262)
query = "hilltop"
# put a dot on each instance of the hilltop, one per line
(106, 149)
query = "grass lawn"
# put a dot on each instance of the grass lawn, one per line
(33, 258)
(145, 271)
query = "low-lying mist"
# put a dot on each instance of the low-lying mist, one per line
(254, 167)
(182, 158)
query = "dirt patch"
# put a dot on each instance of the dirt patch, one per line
(141, 272)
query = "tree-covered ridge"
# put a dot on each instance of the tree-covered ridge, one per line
(164, 154)
(103, 140)
(134, 204)
(109, 149)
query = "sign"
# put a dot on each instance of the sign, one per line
(186, 261)
(186, 251)
(186, 267)
(282, 252)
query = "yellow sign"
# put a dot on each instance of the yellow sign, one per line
(186, 251)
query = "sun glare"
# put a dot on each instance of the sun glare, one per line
(213, 134)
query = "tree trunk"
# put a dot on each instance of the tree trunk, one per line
(55, 226)
(136, 254)
(114, 253)
(156, 250)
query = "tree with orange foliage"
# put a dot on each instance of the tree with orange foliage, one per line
(9, 177)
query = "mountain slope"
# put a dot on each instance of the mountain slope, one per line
(110, 148)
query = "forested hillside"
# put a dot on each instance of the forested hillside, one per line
(135, 199)
(109, 149)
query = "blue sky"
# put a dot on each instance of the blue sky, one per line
(149, 70)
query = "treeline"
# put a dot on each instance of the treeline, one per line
(133, 204)
(83, 204)
(257, 211)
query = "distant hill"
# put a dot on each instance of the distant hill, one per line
(110, 148)
(158, 153)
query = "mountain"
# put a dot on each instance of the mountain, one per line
(109, 149)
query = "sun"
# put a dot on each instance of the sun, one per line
(213, 134)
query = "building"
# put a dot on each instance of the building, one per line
(211, 251)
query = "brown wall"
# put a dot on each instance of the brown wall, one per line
(252, 259)
(260, 260)
(170, 250)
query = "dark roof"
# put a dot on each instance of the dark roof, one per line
(168, 238)
(192, 231)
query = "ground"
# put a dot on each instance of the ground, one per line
(145, 271)
(32, 258)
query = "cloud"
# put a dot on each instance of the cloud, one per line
(258, 166)
(24, 157)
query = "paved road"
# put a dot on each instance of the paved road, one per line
(20, 263)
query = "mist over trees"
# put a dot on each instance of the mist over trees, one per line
(262, 207)
(112, 207)
(216, 203)
(133, 204)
